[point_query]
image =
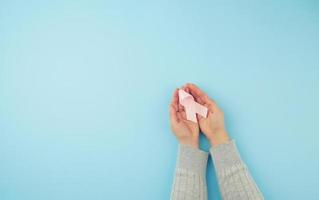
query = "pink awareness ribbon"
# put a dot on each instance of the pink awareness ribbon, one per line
(191, 106)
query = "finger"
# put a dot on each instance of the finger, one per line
(197, 98)
(199, 95)
(174, 106)
(174, 101)
(185, 88)
(195, 90)
(183, 115)
(210, 107)
(180, 116)
(173, 114)
(210, 104)
(175, 96)
(180, 108)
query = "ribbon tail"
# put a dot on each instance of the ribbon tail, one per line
(201, 110)
(191, 113)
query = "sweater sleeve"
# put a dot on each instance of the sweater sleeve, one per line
(234, 179)
(190, 174)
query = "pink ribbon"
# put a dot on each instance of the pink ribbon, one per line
(191, 106)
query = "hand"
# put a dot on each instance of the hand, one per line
(187, 132)
(213, 126)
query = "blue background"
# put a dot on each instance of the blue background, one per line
(85, 88)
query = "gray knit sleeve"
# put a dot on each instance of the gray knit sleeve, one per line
(234, 179)
(190, 174)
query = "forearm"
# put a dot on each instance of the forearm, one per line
(234, 179)
(190, 174)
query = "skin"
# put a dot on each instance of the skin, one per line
(187, 132)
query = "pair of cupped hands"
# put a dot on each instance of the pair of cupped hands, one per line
(187, 132)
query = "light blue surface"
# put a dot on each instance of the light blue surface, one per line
(85, 88)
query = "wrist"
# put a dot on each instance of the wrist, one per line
(218, 138)
(189, 142)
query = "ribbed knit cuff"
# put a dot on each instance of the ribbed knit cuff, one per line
(192, 159)
(225, 156)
